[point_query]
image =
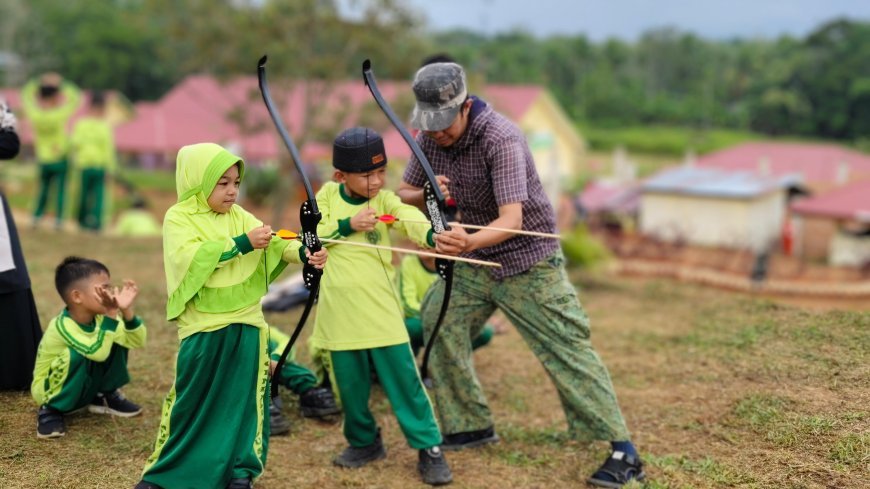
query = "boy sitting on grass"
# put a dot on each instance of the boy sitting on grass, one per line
(82, 358)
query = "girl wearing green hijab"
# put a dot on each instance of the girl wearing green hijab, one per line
(218, 260)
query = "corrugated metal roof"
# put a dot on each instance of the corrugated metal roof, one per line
(713, 182)
(850, 202)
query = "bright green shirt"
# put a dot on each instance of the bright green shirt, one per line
(414, 281)
(93, 341)
(359, 307)
(93, 145)
(137, 222)
(50, 139)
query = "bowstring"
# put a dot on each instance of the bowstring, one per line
(390, 284)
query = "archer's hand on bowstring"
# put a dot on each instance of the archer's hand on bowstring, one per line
(454, 241)
(318, 259)
(260, 237)
(364, 220)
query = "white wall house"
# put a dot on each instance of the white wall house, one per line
(711, 207)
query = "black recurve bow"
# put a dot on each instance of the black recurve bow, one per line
(436, 208)
(309, 217)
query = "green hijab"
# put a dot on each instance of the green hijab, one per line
(201, 260)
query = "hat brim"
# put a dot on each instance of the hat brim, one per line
(433, 120)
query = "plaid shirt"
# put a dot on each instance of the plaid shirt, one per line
(490, 166)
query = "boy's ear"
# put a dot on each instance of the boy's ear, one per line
(75, 296)
(338, 176)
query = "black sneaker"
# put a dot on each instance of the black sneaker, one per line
(433, 467)
(49, 423)
(618, 470)
(114, 403)
(354, 457)
(240, 484)
(278, 423)
(469, 439)
(318, 402)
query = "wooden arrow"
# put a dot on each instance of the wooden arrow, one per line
(287, 234)
(388, 219)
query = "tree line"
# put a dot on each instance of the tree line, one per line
(815, 86)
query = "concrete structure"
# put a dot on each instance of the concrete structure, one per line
(835, 226)
(711, 207)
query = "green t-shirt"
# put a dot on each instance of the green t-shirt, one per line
(414, 281)
(359, 307)
(93, 145)
(50, 139)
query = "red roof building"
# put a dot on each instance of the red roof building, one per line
(201, 108)
(821, 166)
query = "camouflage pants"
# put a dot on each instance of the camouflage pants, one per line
(543, 306)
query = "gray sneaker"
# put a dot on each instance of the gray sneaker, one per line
(433, 467)
(355, 457)
(278, 423)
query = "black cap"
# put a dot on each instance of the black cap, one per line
(358, 150)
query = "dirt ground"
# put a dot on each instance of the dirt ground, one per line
(719, 389)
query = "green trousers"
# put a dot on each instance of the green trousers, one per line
(91, 198)
(86, 378)
(543, 306)
(215, 424)
(297, 378)
(397, 374)
(51, 172)
(415, 332)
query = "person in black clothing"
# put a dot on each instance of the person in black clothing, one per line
(19, 327)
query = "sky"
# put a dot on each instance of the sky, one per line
(627, 19)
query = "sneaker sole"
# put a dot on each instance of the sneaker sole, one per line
(56, 434)
(108, 410)
(613, 485)
(319, 412)
(473, 444)
(435, 482)
(356, 465)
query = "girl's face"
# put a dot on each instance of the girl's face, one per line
(226, 191)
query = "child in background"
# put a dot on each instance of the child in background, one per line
(92, 147)
(82, 358)
(219, 260)
(48, 104)
(137, 221)
(416, 274)
(359, 319)
(314, 401)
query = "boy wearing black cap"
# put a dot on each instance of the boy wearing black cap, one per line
(359, 320)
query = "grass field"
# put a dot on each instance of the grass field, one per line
(719, 390)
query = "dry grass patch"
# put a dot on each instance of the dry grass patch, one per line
(720, 390)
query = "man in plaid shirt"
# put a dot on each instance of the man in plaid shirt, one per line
(484, 163)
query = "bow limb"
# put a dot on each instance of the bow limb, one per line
(436, 206)
(309, 217)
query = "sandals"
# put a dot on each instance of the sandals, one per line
(618, 470)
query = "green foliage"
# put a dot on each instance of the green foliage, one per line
(582, 249)
(818, 86)
(664, 140)
(260, 184)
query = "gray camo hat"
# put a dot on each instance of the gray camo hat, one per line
(440, 90)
